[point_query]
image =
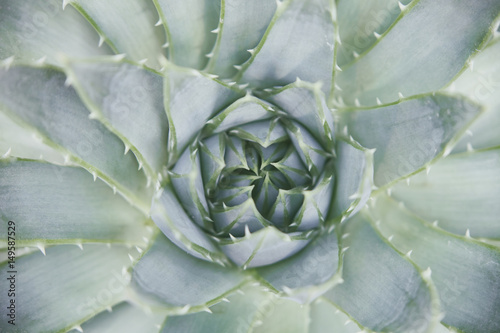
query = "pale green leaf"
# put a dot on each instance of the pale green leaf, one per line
(56, 204)
(481, 82)
(381, 289)
(127, 26)
(188, 24)
(263, 247)
(39, 100)
(39, 30)
(409, 134)
(299, 42)
(327, 318)
(241, 27)
(168, 214)
(283, 316)
(237, 314)
(254, 311)
(188, 185)
(124, 318)
(305, 103)
(18, 141)
(466, 273)
(129, 101)
(354, 167)
(191, 99)
(360, 24)
(64, 288)
(309, 273)
(461, 192)
(421, 53)
(245, 110)
(171, 276)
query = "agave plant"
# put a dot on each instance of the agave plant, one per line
(250, 166)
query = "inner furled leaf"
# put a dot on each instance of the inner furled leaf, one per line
(191, 99)
(18, 141)
(316, 206)
(309, 150)
(235, 220)
(381, 289)
(59, 291)
(361, 23)
(461, 192)
(38, 98)
(299, 42)
(466, 273)
(55, 204)
(421, 53)
(481, 83)
(39, 30)
(409, 134)
(171, 276)
(124, 318)
(128, 26)
(129, 101)
(188, 25)
(241, 27)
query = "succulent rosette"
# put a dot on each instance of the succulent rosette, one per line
(250, 166)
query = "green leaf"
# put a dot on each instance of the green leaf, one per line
(125, 318)
(54, 204)
(39, 100)
(168, 275)
(481, 82)
(245, 110)
(460, 192)
(361, 23)
(409, 134)
(305, 103)
(188, 24)
(327, 318)
(188, 185)
(237, 314)
(435, 58)
(300, 34)
(18, 141)
(309, 273)
(129, 101)
(466, 272)
(66, 287)
(191, 99)
(354, 167)
(263, 247)
(283, 316)
(39, 30)
(241, 26)
(381, 289)
(168, 214)
(127, 26)
(254, 311)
